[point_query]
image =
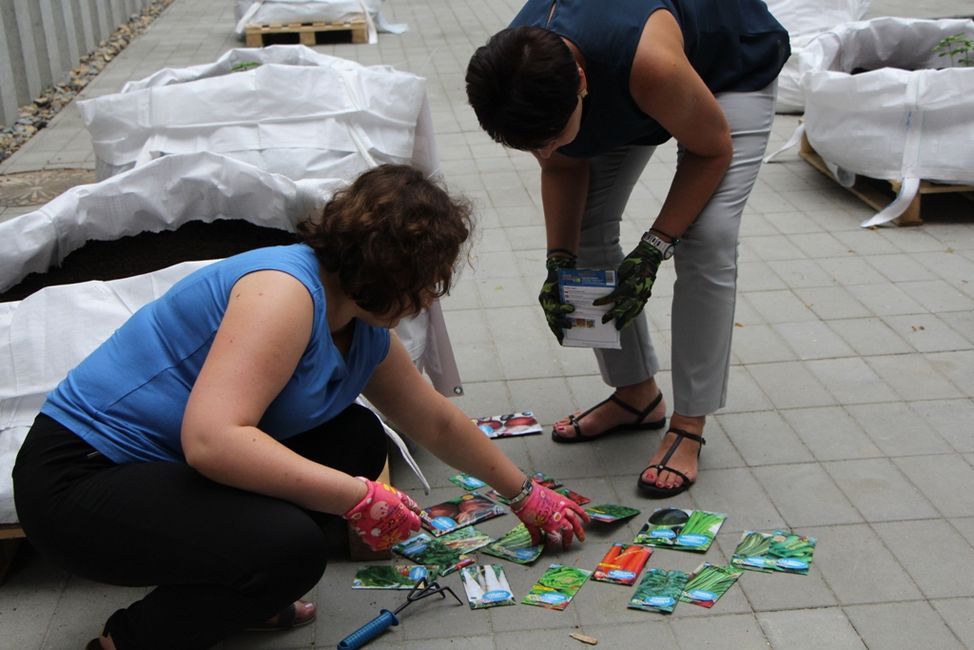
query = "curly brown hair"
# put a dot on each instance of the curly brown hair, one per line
(393, 237)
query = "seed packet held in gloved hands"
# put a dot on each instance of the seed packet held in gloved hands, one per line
(780, 550)
(659, 591)
(486, 586)
(580, 288)
(708, 583)
(556, 588)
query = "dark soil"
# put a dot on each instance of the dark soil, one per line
(151, 251)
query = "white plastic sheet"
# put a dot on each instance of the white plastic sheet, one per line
(323, 117)
(804, 20)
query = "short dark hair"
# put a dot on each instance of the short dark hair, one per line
(523, 86)
(393, 237)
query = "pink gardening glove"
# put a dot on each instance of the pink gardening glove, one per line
(384, 516)
(551, 516)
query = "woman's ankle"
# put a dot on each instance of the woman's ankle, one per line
(690, 423)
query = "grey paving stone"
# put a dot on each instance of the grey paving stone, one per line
(764, 438)
(779, 306)
(957, 613)
(851, 271)
(938, 295)
(944, 573)
(830, 433)
(85, 605)
(736, 493)
(820, 245)
(858, 567)
(734, 631)
(811, 629)
(884, 299)
(913, 377)
(851, 380)
(926, 332)
(760, 344)
(743, 392)
(813, 340)
(878, 489)
(966, 527)
(900, 626)
(29, 599)
(830, 303)
(790, 385)
(799, 273)
(757, 276)
(806, 495)
(958, 367)
(896, 429)
(611, 636)
(945, 479)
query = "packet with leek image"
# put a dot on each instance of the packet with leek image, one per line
(556, 588)
(686, 530)
(659, 591)
(515, 546)
(780, 550)
(397, 576)
(708, 583)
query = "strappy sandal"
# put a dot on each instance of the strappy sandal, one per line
(286, 619)
(652, 490)
(635, 425)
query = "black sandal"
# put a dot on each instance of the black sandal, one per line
(652, 490)
(636, 425)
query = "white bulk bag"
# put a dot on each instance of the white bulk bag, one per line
(330, 119)
(804, 20)
(271, 12)
(900, 118)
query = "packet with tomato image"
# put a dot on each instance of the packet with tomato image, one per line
(521, 423)
(622, 563)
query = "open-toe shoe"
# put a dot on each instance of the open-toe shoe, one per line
(652, 490)
(294, 615)
(635, 425)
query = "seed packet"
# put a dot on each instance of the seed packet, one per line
(556, 588)
(708, 583)
(467, 482)
(398, 576)
(573, 495)
(515, 546)
(610, 512)
(426, 550)
(688, 530)
(466, 540)
(659, 591)
(780, 550)
(486, 586)
(522, 423)
(622, 563)
(446, 517)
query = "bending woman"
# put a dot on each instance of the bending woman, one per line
(201, 447)
(591, 92)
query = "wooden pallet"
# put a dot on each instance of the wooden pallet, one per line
(304, 33)
(877, 193)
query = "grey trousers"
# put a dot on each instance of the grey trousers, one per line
(705, 261)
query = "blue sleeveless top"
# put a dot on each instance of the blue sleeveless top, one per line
(733, 46)
(127, 398)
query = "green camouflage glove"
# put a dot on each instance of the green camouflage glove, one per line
(555, 311)
(634, 284)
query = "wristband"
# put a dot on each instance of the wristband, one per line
(526, 488)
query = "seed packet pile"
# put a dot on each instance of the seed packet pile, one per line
(467, 482)
(465, 540)
(659, 591)
(556, 588)
(486, 586)
(708, 583)
(689, 530)
(515, 546)
(399, 576)
(622, 563)
(424, 549)
(505, 426)
(780, 550)
(446, 517)
(610, 512)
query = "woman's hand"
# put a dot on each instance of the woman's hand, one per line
(385, 516)
(555, 311)
(634, 284)
(551, 517)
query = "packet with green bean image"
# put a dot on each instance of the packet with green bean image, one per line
(515, 546)
(780, 550)
(708, 583)
(556, 588)
(424, 549)
(397, 576)
(686, 530)
(608, 513)
(659, 591)
(486, 586)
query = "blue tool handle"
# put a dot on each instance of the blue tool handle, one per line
(369, 631)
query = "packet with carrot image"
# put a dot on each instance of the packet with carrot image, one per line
(708, 583)
(659, 591)
(556, 588)
(686, 530)
(622, 563)
(780, 550)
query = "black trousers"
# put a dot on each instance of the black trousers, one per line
(220, 558)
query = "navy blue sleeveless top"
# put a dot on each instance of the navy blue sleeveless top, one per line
(733, 46)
